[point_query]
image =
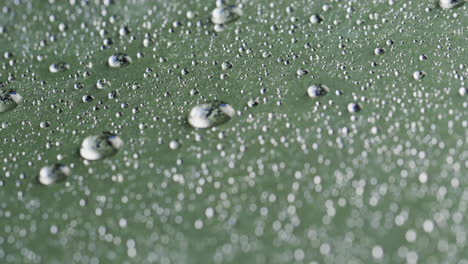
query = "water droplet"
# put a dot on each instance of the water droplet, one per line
(354, 107)
(317, 90)
(173, 144)
(53, 173)
(9, 100)
(315, 19)
(59, 67)
(102, 84)
(418, 75)
(210, 114)
(226, 66)
(449, 4)
(462, 91)
(100, 147)
(379, 51)
(225, 14)
(119, 60)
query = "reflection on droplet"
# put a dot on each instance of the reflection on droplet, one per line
(59, 67)
(99, 147)
(9, 100)
(210, 114)
(119, 60)
(53, 173)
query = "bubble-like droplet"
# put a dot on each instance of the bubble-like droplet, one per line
(102, 84)
(225, 14)
(317, 90)
(210, 114)
(9, 100)
(53, 173)
(379, 51)
(99, 147)
(59, 67)
(462, 91)
(418, 75)
(315, 19)
(119, 60)
(354, 107)
(449, 4)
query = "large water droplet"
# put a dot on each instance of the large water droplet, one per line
(102, 84)
(317, 90)
(119, 60)
(59, 67)
(99, 147)
(225, 14)
(53, 173)
(354, 107)
(449, 4)
(210, 114)
(9, 100)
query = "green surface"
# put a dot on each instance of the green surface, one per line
(292, 179)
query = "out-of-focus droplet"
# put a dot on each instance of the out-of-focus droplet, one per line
(225, 14)
(53, 173)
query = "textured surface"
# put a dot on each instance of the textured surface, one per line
(288, 179)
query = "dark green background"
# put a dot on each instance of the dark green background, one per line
(287, 179)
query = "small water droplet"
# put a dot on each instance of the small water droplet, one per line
(119, 60)
(53, 173)
(210, 114)
(9, 100)
(99, 147)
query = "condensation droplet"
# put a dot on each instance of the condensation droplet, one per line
(99, 147)
(317, 90)
(9, 100)
(418, 75)
(119, 60)
(354, 107)
(449, 4)
(102, 84)
(315, 19)
(210, 114)
(225, 14)
(53, 173)
(59, 67)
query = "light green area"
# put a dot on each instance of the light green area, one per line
(290, 180)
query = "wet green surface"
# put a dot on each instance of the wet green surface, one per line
(289, 179)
